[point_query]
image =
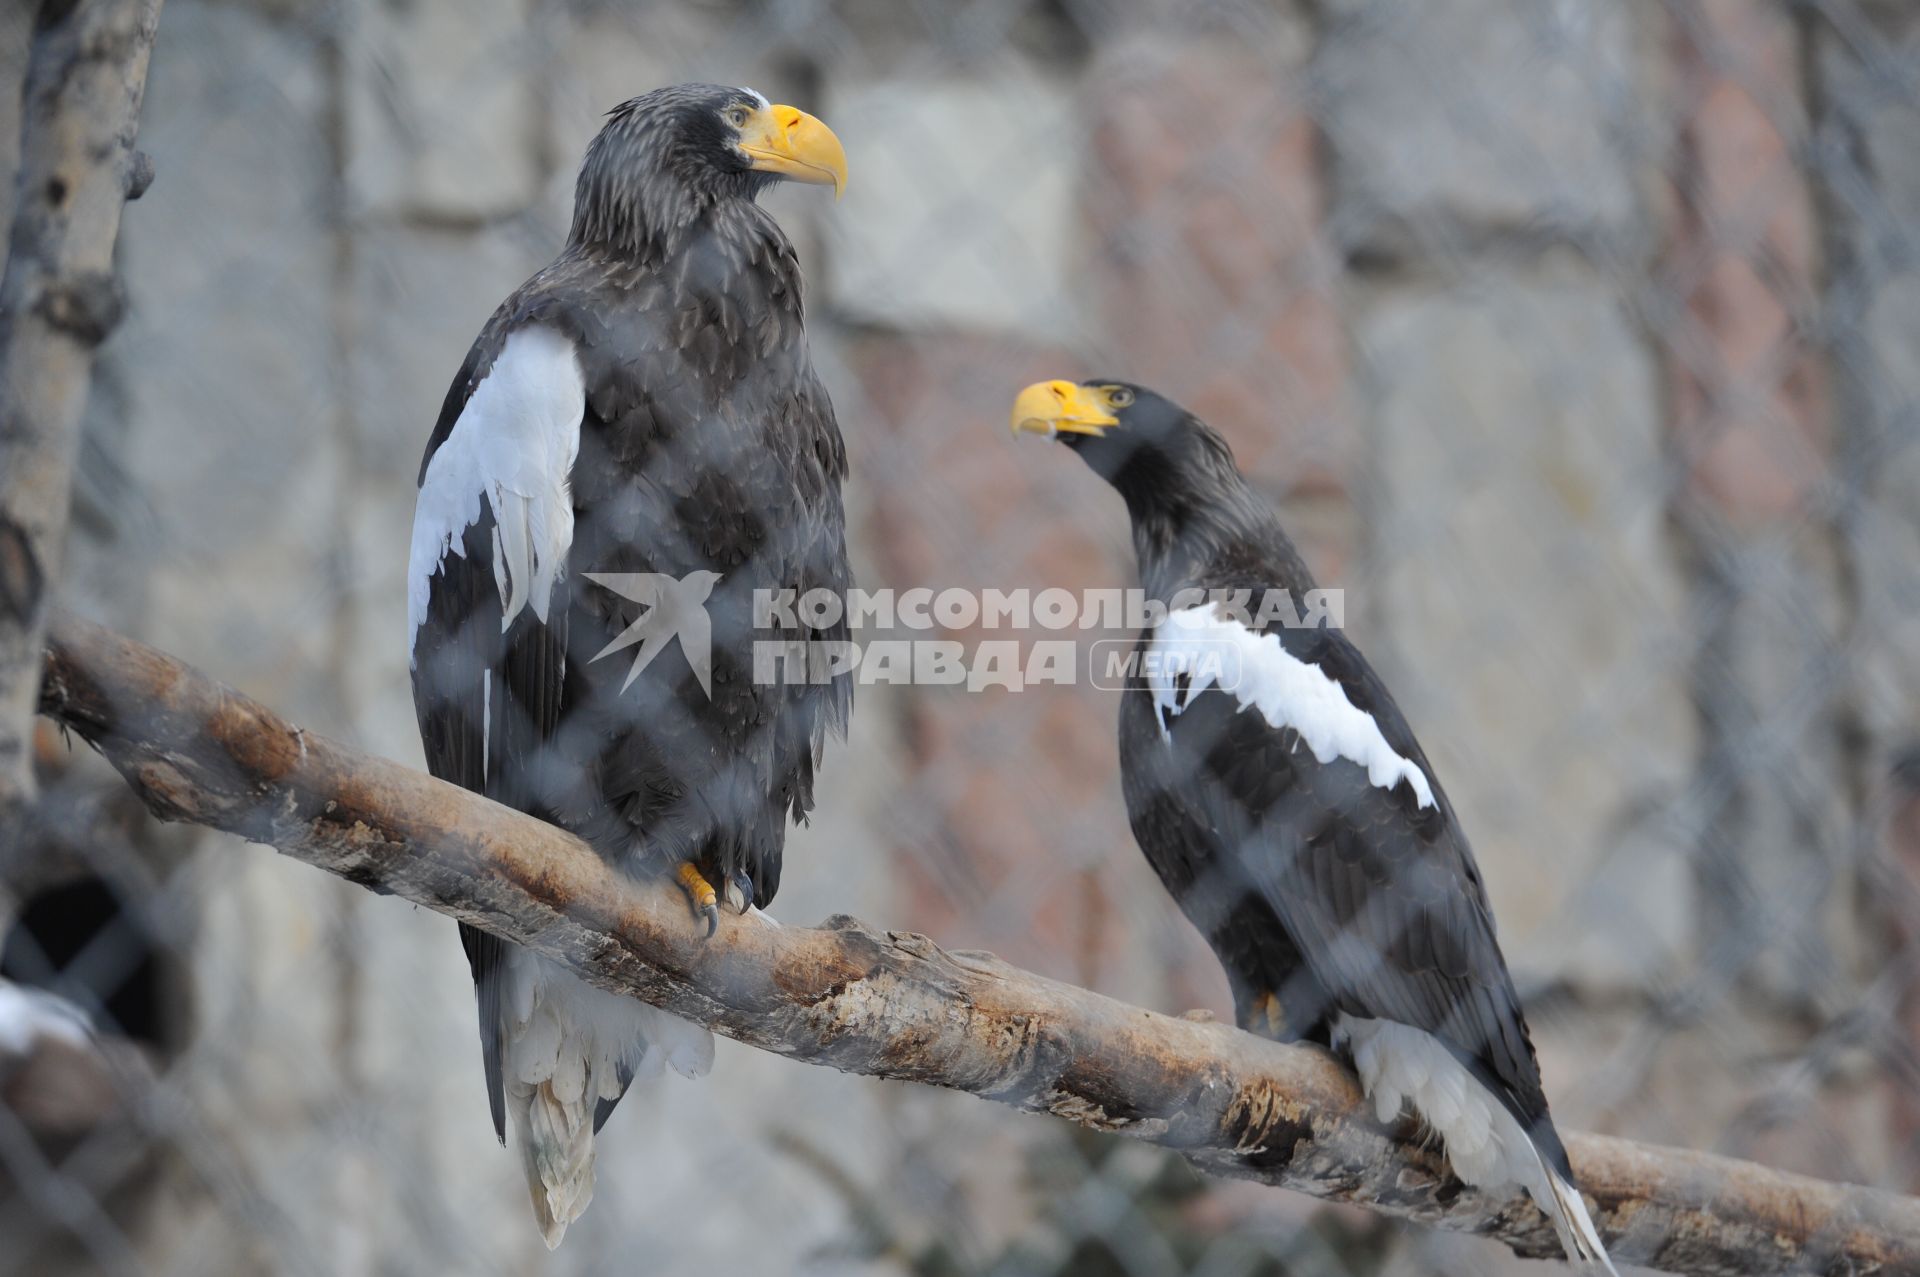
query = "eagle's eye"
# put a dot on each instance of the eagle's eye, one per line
(1119, 396)
(738, 116)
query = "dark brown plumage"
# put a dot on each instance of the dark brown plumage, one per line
(644, 404)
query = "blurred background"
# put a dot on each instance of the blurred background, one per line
(1578, 340)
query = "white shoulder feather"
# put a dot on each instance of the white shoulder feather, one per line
(1207, 648)
(514, 445)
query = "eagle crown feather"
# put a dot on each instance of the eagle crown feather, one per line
(661, 161)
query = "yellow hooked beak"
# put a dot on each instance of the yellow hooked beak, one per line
(788, 141)
(1059, 408)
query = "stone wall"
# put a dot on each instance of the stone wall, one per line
(1576, 341)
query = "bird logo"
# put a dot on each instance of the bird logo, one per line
(672, 607)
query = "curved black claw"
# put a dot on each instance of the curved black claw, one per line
(743, 884)
(712, 914)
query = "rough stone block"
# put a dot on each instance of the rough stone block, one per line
(1729, 1077)
(15, 41)
(605, 54)
(1751, 421)
(421, 296)
(377, 681)
(952, 218)
(1750, 411)
(1777, 887)
(1215, 282)
(1469, 117)
(1886, 533)
(442, 113)
(1870, 157)
(1529, 610)
(234, 433)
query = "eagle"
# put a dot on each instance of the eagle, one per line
(1280, 795)
(635, 448)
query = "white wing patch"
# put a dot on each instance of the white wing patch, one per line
(514, 445)
(1207, 647)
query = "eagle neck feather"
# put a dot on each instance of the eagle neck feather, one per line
(1195, 517)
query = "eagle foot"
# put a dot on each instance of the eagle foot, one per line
(1266, 1017)
(706, 902)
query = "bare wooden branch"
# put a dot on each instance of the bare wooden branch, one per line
(58, 301)
(896, 1005)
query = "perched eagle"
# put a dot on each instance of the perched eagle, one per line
(635, 445)
(1283, 800)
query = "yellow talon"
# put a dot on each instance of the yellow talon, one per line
(705, 901)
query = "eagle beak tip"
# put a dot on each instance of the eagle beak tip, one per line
(793, 144)
(1052, 407)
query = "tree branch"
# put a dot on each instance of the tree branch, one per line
(896, 1005)
(58, 301)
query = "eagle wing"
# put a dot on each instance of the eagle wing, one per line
(490, 538)
(1290, 751)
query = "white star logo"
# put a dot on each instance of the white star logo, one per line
(674, 607)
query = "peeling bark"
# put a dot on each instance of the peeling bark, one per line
(58, 301)
(895, 1005)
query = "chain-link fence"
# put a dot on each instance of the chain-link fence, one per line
(1578, 341)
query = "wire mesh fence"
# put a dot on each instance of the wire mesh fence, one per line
(1576, 341)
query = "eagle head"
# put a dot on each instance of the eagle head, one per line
(664, 156)
(1189, 504)
(1162, 458)
(1113, 424)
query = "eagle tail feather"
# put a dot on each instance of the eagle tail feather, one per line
(570, 1051)
(1578, 1237)
(1486, 1146)
(555, 1140)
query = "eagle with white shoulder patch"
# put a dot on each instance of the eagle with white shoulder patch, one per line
(642, 406)
(1280, 794)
